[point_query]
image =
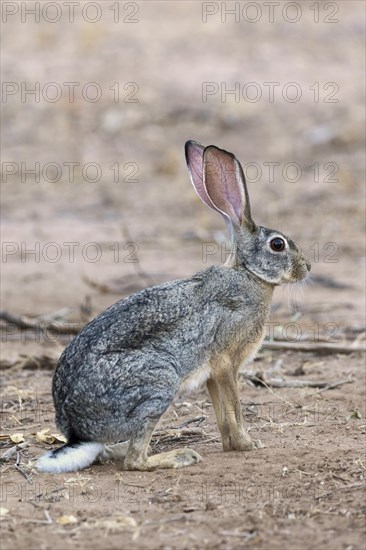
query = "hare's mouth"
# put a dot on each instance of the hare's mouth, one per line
(300, 274)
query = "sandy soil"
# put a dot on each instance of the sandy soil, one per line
(305, 488)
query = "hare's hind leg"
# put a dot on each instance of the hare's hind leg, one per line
(137, 458)
(116, 451)
(225, 398)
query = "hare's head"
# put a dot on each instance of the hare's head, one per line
(218, 178)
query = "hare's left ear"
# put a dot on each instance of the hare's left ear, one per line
(194, 159)
(226, 187)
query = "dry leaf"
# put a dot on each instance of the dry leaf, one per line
(44, 437)
(59, 438)
(17, 438)
(66, 520)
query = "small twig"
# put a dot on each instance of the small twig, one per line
(10, 452)
(343, 488)
(335, 385)
(263, 383)
(101, 287)
(211, 440)
(47, 521)
(176, 432)
(259, 379)
(359, 338)
(198, 419)
(27, 477)
(247, 535)
(336, 476)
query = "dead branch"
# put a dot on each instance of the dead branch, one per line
(44, 361)
(320, 347)
(23, 322)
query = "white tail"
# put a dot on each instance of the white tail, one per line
(69, 458)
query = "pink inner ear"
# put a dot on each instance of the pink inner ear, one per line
(194, 157)
(233, 192)
(222, 181)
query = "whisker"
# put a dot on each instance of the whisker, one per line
(294, 300)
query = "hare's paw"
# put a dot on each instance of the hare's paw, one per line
(171, 459)
(174, 459)
(185, 457)
(241, 442)
(250, 445)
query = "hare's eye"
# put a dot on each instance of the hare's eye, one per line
(277, 244)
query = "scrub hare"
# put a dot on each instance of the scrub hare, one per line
(122, 371)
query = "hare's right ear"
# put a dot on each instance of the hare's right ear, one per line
(226, 187)
(194, 159)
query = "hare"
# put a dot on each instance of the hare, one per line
(122, 371)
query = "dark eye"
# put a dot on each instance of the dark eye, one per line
(277, 244)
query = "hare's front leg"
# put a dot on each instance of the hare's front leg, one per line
(224, 393)
(137, 458)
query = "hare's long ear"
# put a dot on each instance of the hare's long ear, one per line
(194, 159)
(225, 184)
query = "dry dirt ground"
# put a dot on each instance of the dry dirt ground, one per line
(305, 488)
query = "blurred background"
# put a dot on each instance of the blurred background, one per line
(98, 101)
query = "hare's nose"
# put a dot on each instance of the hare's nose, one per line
(308, 265)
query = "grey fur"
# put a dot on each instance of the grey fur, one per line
(125, 367)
